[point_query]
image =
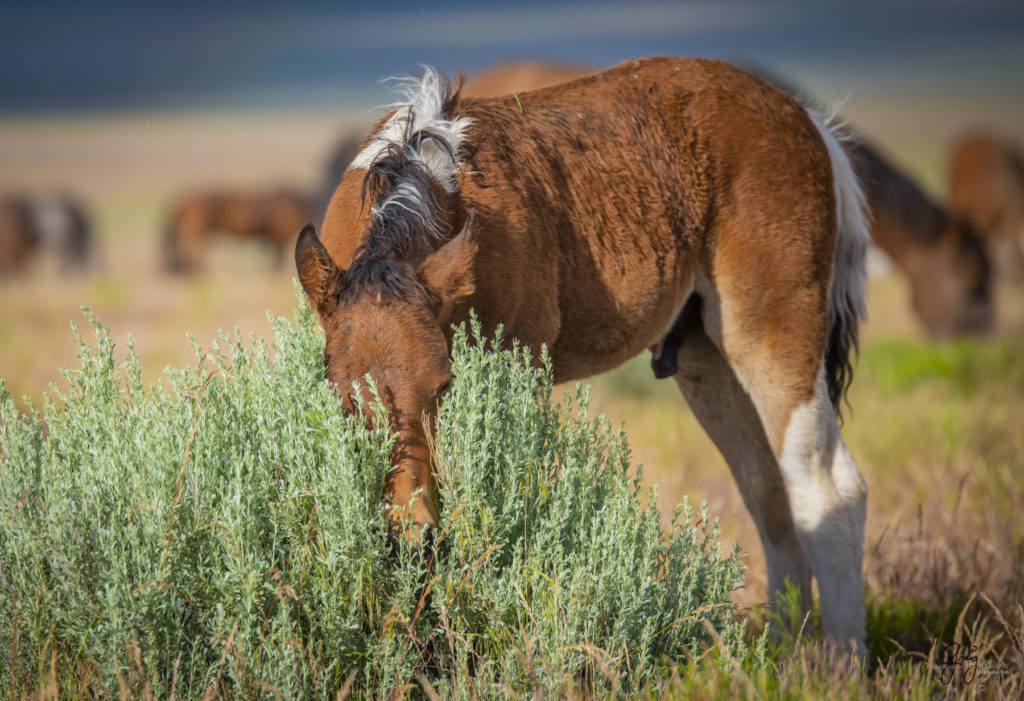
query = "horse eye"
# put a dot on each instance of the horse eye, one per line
(349, 402)
(443, 389)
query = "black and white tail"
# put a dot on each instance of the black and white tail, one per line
(846, 305)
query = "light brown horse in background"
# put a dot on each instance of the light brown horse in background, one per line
(522, 75)
(675, 203)
(986, 190)
(274, 217)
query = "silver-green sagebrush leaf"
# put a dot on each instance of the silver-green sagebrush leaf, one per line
(223, 532)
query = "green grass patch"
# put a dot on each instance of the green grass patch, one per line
(966, 366)
(899, 624)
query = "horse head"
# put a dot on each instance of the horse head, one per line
(952, 293)
(386, 320)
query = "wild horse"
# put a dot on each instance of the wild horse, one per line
(674, 203)
(272, 216)
(53, 220)
(943, 258)
(986, 191)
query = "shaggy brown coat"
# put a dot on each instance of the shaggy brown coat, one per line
(661, 198)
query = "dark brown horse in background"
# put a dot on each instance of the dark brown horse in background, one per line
(675, 203)
(943, 258)
(44, 220)
(986, 191)
(273, 217)
(18, 239)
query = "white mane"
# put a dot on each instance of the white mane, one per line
(419, 113)
(421, 109)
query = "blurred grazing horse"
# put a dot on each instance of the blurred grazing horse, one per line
(18, 239)
(274, 217)
(522, 75)
(676, 203)
(944, 259)
(51, 220)
(986, 190)
(344, 152)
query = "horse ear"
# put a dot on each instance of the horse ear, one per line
(315, 267)
(448, 272)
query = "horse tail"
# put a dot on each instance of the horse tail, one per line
(846, 306)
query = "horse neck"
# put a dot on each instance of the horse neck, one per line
(528, 172)
(905, 220)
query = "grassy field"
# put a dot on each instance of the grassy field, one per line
(937, 430)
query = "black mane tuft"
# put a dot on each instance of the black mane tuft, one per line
(404, 202)
(401, 189)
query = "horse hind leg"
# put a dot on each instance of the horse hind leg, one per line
(727, 415)
(782, 371)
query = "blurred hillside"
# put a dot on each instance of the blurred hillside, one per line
(114, 55)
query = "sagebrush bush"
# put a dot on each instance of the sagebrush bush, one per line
(222, 534)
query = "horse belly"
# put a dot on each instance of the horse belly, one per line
(612, 316)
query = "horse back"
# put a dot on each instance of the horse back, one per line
(611, 195)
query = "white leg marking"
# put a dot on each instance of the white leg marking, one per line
(827, 496)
